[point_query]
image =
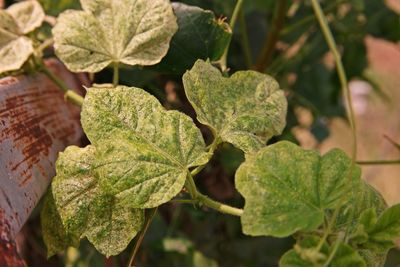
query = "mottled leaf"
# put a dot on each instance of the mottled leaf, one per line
(145, 151)
(53, 231)
(86, 208)
(29, 15)
(112, 225)
(246, 109)
(288, 189)
(200, 36)
(125, 31)
(15, 49)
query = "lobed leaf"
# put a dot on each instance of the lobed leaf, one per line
(87, 209)
(288, 189)
(144, 150)
(246, 109)
(105, 32)
(15, 49)
(29, 15)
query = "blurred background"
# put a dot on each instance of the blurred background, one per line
(281, 38)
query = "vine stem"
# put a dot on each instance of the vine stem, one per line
(340, 69)
(116, 74)
(232, 23)
(141, 236)
(347, 96)
(206, 201)
(378, 162)
(69, 95)
(211, 150)
(273, 36)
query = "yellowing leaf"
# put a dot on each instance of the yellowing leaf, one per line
(288, 189)
(105, 32)
(29, 15)
(246, 109)
(15, 49)
(144, 151)
(87, 209)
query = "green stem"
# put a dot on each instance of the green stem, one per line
(206, 201)
(69, 94)
(378, 162)
(211, 150)
(116, 74)
(245, 39)
(272, 37)
(219, 206)
(232, 23)
(141, 236)
(340, 69)
(334, 250)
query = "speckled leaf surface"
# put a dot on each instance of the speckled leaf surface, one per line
(145, 151)
(53, 231)
(15, 49)
(88, 209)
(200, 36)
(112, 225)
(246, 109)
(287, 189)
(29, 15)
(124, 31)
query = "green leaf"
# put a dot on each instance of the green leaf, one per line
(288, 189)
(200, 36)
(53, 231)
(346, 256)
(246, 109)
(200, 260)
(29, 15)
(56, 7)
(145, 151)
(105, 32)
(14, 48)
(305, 254)
(385, 230)
(87, 209)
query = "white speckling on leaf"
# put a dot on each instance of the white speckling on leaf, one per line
(246, 109)
(132, 32)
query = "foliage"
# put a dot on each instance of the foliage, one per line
(142, 155)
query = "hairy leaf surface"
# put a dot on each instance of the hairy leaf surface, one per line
(246, 109)
(288, 189)
(124, 31)
(145, 151)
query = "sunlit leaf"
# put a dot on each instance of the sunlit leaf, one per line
(29, 15)
(105, 32)
(144, 150)
(246, 109)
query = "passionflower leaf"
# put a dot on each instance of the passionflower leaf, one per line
(145, 152)
(29, 15)
(87, 209)
(105, 32)
(15, 49)
(287, 189)
(246, 109)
